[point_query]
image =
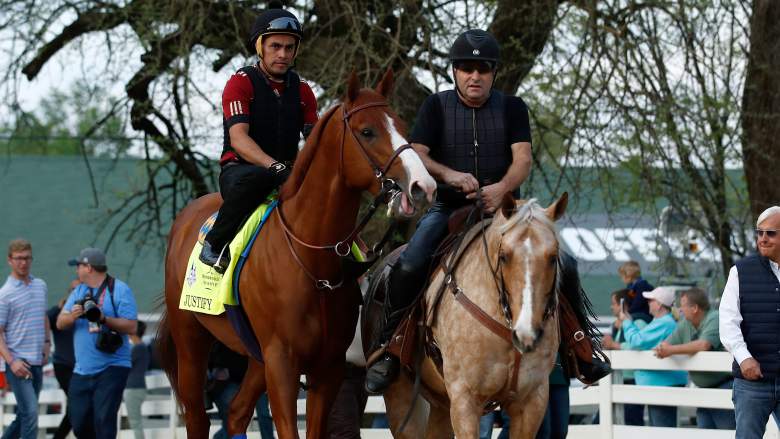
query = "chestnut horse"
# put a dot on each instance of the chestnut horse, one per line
(301, 309)
(476, 362)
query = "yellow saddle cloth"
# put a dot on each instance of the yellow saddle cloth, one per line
(207, 291)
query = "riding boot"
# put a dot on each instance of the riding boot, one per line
(580, 352)
(403, 287)
(211, 256)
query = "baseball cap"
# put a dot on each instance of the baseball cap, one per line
(664, 295)
(90, 255)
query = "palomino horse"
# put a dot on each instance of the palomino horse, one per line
(301, 309)
(477, 354)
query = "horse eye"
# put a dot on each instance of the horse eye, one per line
(366, 132)
(502, 257)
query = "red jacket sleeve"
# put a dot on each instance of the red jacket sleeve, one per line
(236, 97)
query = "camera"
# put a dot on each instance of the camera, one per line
(92, 311)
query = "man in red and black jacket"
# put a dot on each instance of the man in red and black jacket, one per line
(265, 108)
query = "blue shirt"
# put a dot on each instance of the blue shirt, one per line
(647, 338)
(90, 360)
(23, 318)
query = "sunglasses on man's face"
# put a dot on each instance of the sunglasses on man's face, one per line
(469, 67)
(769, 233)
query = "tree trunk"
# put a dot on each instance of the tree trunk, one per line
(761, 108)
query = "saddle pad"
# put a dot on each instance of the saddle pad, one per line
(206, 291)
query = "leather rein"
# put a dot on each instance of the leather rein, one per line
(389, 189)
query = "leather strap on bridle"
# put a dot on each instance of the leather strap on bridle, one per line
(388, 190)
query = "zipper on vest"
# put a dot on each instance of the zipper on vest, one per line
(476, 143)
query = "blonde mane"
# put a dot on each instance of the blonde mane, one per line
(526, 214)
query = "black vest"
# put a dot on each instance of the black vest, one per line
(759, 304)
(276, 121)
(457, 148)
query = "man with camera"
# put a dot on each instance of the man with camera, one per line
(102, 311)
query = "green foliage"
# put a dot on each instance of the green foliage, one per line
(84, 118)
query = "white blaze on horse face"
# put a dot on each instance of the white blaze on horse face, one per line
(412, 163)
(524, 326)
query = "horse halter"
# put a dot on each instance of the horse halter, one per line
(389, 189)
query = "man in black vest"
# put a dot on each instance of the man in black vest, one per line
(750, 329)
(266, 107)
(468, 138)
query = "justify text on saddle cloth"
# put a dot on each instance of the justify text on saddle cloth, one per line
(206, 291)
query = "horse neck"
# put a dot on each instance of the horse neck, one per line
(324, 209)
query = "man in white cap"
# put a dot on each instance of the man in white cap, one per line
(749, 329)
(660, 301)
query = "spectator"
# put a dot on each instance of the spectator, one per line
(633, 414)
(749, 328)
(25, 339)
(62, 359)
(135, 392)
(660, 302)
(101, 311)
(631, 275)
(225, 373)
(697, 332)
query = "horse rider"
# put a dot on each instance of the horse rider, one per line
(265, 107)
(469, 138)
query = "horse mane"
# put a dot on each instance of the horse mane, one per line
(305, 157)
(527, 213)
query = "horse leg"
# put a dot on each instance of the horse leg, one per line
(439, 425)
(283, 372)
(325, 384)
(526, 416)
(464, 411)
(242, 407)
(192, 364)
(398, 401)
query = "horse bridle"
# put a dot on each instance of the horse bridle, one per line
(389, 189)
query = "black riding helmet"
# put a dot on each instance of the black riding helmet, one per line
(475, 45)
(275, 21)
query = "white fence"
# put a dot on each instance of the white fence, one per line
(605, 396)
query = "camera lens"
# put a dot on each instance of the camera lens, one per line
(91, 310)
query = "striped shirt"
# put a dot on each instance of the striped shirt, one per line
(22, 318)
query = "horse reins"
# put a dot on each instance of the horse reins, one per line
(388, 190)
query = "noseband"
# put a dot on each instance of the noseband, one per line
(388, 190)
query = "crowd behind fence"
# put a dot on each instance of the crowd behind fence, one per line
(160, 408)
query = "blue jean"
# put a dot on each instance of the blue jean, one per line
(754, 401)
(94, 400)
(431, 230)
(662, 416)
(721, 419)
(26, 392)
(633, 414)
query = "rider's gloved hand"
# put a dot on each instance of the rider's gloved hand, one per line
(281, 171)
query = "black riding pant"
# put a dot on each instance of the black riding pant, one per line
(243, 188)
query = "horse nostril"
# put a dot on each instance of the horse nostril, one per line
(418, 194)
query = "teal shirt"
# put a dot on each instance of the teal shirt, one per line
(708, 330)
(647, 338)
(628, 374)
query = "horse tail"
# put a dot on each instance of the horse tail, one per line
(166, 349)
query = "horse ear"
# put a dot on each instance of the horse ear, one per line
(508, 205)
(385, 86)
(556, 210)
(353, 87)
